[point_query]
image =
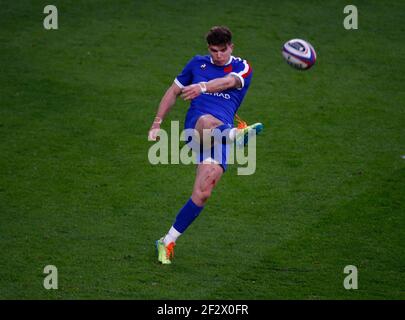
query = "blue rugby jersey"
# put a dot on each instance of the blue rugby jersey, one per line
(222, 105)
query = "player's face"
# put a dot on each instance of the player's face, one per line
(220, 54)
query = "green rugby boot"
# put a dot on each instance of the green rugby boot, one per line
(242, 137)
(165, 253)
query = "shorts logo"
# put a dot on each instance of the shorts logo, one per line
(203, 66)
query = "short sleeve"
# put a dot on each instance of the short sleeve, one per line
(244, 72)
(186, 76)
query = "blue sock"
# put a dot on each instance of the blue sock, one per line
(186, 216)
(222, 128)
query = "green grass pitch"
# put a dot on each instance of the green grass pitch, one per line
(77, 190)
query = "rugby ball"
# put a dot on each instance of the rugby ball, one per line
(299, 54)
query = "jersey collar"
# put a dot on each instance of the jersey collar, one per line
(229, 61)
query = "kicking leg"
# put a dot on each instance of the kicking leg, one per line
(240, 135)
(224, 132)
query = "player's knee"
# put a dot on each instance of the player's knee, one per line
(207, 181)
(207, 122)
(204, 190)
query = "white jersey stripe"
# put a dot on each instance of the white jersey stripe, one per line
(245, 70)
(242, 81)
(242, 73)
(178, 83)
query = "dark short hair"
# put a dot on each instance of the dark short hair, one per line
(219, 35)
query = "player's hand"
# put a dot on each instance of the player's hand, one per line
(190, 92)
(154, 131)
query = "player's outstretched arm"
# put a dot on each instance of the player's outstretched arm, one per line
(216, 85)
(168, 101)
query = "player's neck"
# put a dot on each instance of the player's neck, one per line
(221, 65)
